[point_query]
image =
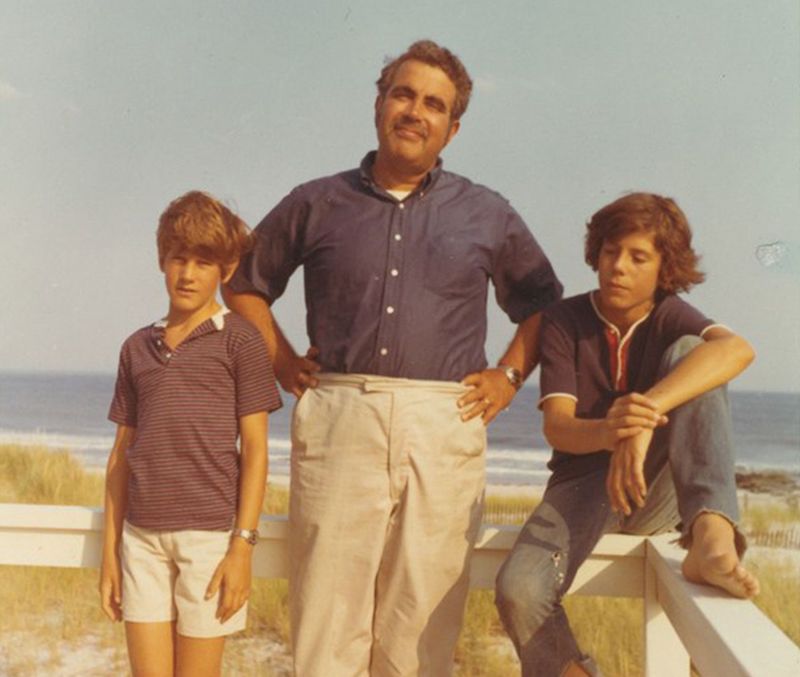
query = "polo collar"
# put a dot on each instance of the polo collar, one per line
(612, 326)
(217, 319)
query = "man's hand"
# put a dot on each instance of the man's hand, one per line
(625, 479)
(629, 416)
(111, 588)
(232, 579)
(491, 393)
(297, 373)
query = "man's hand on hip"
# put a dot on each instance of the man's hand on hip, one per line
(298, 372)
(491, 393)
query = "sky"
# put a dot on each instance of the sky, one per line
(108, 110)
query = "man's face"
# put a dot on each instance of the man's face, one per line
(413, 119)
(627, 272)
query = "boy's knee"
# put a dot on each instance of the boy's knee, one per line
(526, 591)
(678, 350)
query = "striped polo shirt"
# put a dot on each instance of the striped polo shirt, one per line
(185, 405)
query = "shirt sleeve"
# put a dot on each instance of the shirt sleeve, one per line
(277, 251)
(557, 348)
(524, 280)
(255, 378)
(123, 410)
(679, 318)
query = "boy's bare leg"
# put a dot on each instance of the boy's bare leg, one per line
(151, 648)
(198, 656)
(712, 558)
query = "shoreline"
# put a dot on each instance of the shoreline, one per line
(754, 482)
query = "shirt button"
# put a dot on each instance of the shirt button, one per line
(384, 351)
(398, 237)
(401, 206)
(390, 309)
(394, 272)
(168, 355)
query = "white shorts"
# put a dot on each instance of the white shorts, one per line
(165, 575)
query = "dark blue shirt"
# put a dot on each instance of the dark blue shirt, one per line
(398, 288)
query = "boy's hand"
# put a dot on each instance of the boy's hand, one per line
(629, 416)
(111, 588)
(491, 393)
(625, 479)
(297, 374)
(232, 579)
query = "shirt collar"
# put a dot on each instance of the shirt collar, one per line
(217, 319)
(612, 326)
(365, 170)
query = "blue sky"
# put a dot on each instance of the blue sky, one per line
(108, 110)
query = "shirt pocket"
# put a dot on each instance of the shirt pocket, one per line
(454, 266)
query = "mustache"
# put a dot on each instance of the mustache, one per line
(411, 126)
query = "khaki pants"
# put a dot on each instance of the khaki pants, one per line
(386, 501)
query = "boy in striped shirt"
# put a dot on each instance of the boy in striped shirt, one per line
(182, 503)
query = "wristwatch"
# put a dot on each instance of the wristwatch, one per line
(513, 375)
(249, 535)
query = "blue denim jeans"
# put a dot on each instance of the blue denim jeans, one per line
(689, 470)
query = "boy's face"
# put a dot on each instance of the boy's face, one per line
(627, 271)
(192, 281)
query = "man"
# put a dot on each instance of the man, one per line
(389, 437)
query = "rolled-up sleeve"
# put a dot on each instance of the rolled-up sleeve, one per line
(525, 282)
(277, 251)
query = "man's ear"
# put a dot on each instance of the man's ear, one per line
(378, 104)
(455, 125)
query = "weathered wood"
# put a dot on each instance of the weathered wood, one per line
(725, 637)
(71, 536)
(664, 654)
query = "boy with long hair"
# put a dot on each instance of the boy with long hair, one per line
(634, 402)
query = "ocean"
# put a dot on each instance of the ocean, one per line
(69, 411)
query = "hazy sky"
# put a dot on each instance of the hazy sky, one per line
(108, 110)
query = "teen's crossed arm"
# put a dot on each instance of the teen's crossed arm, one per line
(722, 356)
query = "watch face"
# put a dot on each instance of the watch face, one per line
(514, 376)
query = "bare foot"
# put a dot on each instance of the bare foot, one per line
(712, 559)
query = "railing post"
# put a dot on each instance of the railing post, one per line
(664, 653)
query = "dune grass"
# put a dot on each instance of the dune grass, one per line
(46, 609)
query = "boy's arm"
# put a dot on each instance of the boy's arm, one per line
(492, 392)
(722, 356)
(294, 373)
(116, 501)
(234, 572)
(566, 432)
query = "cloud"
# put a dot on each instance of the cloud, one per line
(9, 93)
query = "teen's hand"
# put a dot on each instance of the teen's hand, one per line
(625, 480)
(232, 579)
(297, 373)
(111, 588)
(630, 415)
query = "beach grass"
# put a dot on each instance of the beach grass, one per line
(50, 612)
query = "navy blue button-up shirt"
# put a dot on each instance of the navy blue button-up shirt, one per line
(398, 288)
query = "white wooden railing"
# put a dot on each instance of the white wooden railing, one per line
(683, 622)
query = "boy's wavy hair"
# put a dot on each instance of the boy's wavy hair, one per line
(196, 222)
(428, 52)
(649, 213)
